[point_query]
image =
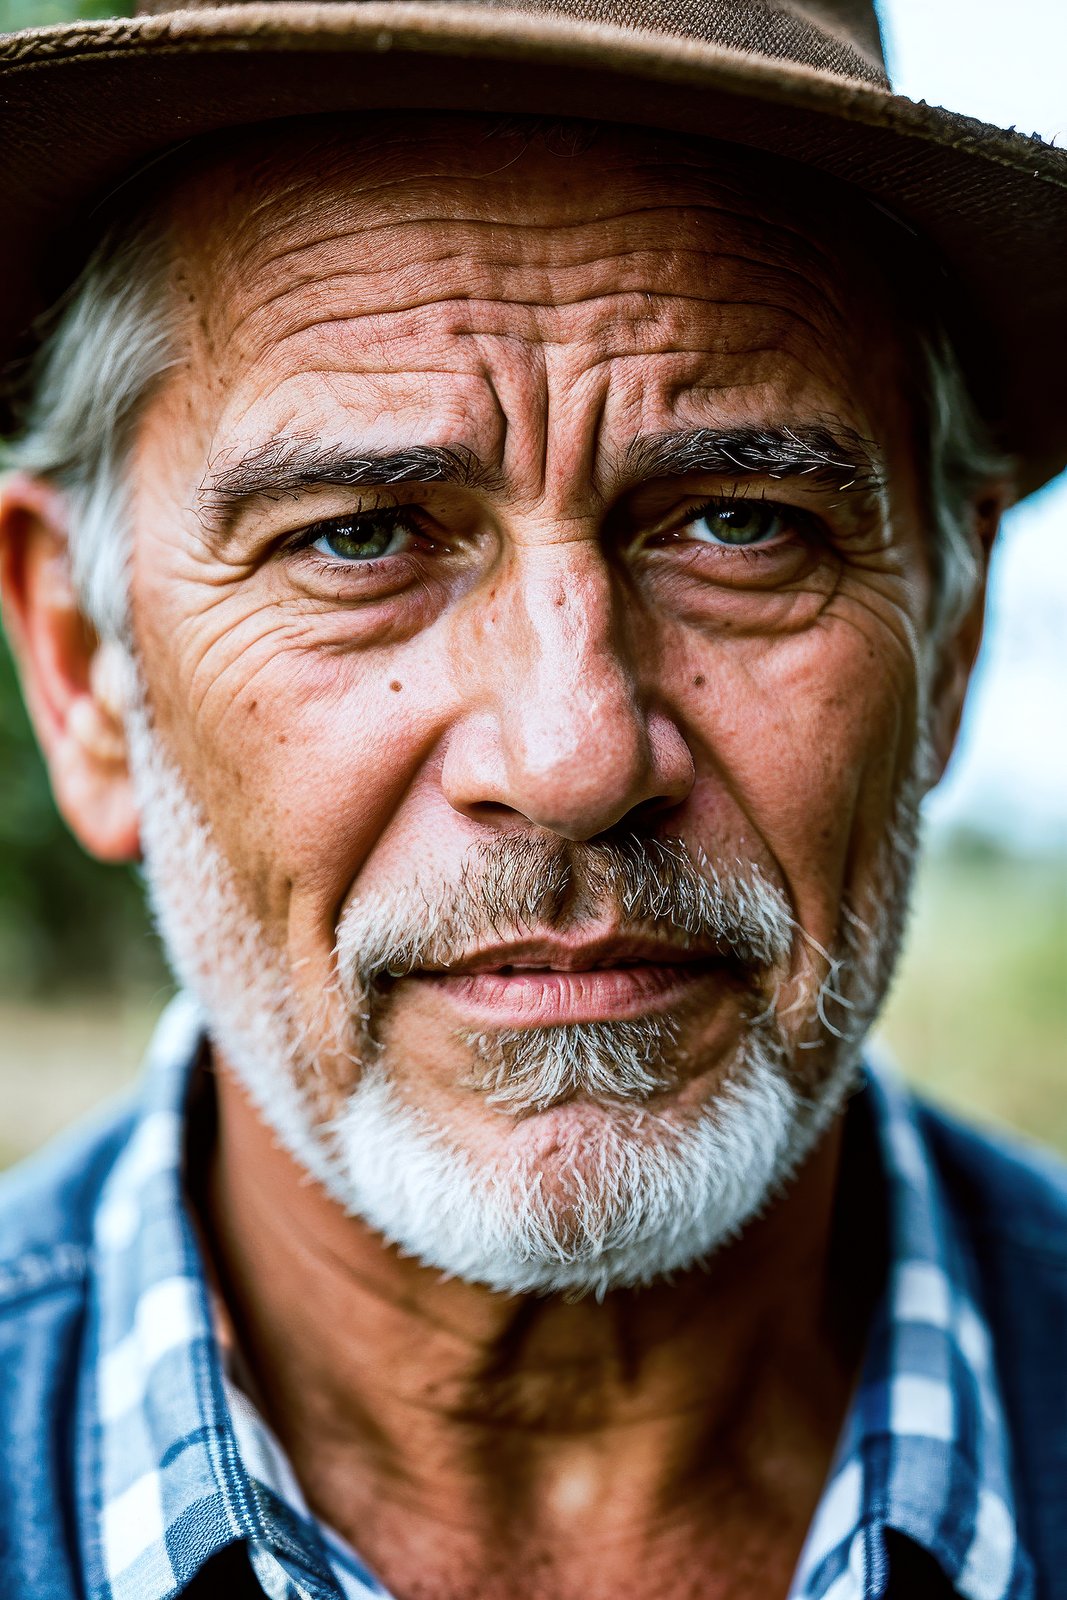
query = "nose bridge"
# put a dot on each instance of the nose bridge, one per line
(573, 748)
(579, 683)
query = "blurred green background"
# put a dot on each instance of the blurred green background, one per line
(978, 1014)
(37, 13)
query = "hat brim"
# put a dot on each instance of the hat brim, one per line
(82, 105)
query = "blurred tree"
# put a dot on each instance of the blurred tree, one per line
(16, 14)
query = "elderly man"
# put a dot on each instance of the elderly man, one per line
(511, 580)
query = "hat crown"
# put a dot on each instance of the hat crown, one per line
(838, 36)
(855, 20)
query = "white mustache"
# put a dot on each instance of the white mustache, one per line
(513, 887)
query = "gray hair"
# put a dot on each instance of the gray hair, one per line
(112, 340)
(962, 464)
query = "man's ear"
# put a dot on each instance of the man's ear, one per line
(73, 684)
(957, 651)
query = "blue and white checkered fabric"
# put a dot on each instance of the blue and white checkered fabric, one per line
(177, 1464)
(924, 1452)
(180, 1465)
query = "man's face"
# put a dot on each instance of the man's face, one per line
(559, 504)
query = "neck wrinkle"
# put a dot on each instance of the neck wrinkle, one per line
(517, 1417)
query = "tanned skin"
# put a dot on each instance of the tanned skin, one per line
(559, 656)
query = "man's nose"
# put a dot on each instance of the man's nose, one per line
(562, 731)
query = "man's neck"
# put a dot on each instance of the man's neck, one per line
(467, 1442)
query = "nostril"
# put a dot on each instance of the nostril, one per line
(493, 813)
(653, 808)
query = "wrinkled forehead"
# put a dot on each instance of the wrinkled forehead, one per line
(252, 204)
(389, 167)
(404, 244)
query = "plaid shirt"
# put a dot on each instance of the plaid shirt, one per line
(184, 1465)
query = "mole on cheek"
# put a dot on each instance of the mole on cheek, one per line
(395, 686)
(698, 681)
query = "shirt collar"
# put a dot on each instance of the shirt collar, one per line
(170, 1480)
(925, 1450)
(165, 1484)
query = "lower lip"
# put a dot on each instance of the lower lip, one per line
(542, 999)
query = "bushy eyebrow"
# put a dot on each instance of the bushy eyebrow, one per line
(292, 463)
(833, 456)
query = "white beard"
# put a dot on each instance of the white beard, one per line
(634, 1194)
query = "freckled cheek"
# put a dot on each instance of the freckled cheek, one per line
(813, 735)
(300, 756)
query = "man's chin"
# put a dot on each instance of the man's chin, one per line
(585, 1197)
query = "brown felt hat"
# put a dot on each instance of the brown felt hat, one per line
(82, 105)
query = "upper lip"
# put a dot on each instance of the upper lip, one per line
(559, 955)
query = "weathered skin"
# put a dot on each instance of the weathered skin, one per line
(556, 655)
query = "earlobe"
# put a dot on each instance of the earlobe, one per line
(91, 775)
(70, 680)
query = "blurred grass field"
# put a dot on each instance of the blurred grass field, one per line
(977, 1017)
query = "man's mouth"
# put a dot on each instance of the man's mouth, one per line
(544, 983)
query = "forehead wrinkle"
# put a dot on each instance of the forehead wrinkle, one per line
(479, 372)
(782, 377)
(563, 239)
(554, 293)
(632, 331)
(501, 231)
(436, 152)
(736, 273)
(629, 273)
(276, 214)
(571, 253)
(629, 324)
(364, 343)
(747, 206)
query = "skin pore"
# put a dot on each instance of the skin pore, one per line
(556, 634)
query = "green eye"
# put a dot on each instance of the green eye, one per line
(737, 523)
(363, 538)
